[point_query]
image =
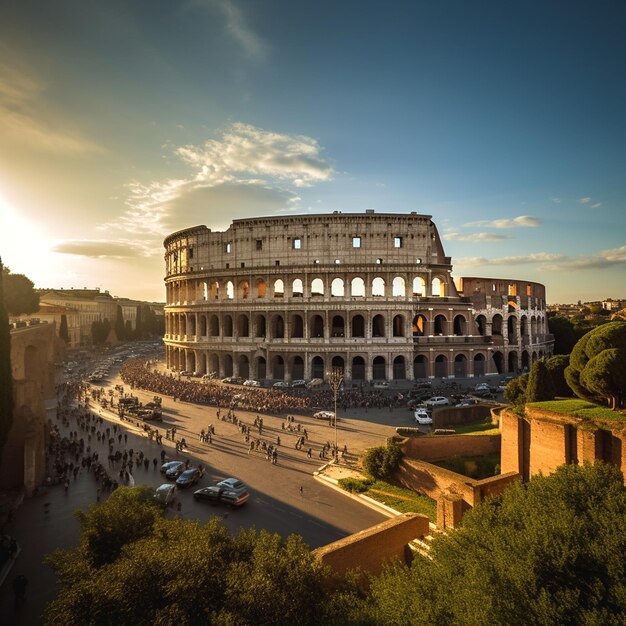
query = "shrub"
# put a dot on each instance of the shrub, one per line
(355, 485)
(381, 461)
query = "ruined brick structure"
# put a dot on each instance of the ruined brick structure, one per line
(285, 298)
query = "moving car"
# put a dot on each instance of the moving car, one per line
(324, 415)
(437, 401)
(422, 417)
(232, 491)
(165, 494)
(189, 477)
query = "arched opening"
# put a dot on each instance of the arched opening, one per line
(190, 358)
(357, 287)
(278, 368)
(192, 324)
(243, 326)
(214, 290)
(261, 289)
(496, 325)
(420, 367)
(338, 328)
(183, 324)
(214, 326)
(297, 288)
(317, 367)
(398, 287)
(337, 288)
(398, 326)
(524, 325)
(260, 327)
(460, 366)
(525, 361)
(512, 362)
(441, 366)
(278, 327)
(228, 365)
(419, 326)
(419, 286)
(297, 368)
(230, 290)
(511, 326)
(317, 287)
(479, 365)
(205, 290)
(260, 366)
(213, 364)
(244, 289)
(481, 325)
(379, 368)
(244, 366)
(279, 288)
(378, 287)
(437, 287)
(378, 326)
(459, 325)
(498, 361)
(338, 363)
(203, 326)
(441, 324)
(297, 326)
(358, 326)
(228, 326)
(317, 327)
(399, 368)
(358, 368)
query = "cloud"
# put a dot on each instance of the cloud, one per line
(585, 200)
(522, 221)
(237, 27)
(102, 248)
(22, 118)
(456, 236)
(597, 205)
(539, 257)
(556, 200)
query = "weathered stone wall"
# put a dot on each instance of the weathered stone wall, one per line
(447, 417)
(369, 549)
(439, 447)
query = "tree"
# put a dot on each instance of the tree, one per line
(100, 331)
(515, 391)
(6, 376)
(556, 366)
(382, 461)
(119, 327)
(539, 387)
(128, 329)
(551, 552)
(605, 380)
(150, 570)
(63, 332)
(564, 334)
(19, 293)
(139, 323)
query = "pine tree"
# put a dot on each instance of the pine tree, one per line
(6, 379)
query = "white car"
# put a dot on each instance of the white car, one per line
(300, 382)
(422, 417)
(251, 383)
(437, 401)
(281, 384)
(324, 415)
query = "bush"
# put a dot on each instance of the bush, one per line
(355, 485)
(381, 461)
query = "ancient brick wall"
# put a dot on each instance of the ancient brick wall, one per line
(439, 447)
(453, 416)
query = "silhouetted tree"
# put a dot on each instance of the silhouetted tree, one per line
(63, 331)
(565, 337)
(556, 367)
(120, 329)
(19, 293)
(6, 377)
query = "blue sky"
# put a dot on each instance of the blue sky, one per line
(123, 121)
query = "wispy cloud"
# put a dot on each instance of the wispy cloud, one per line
(521, 221)
(456, 236)
(597, 205)
(556, 200)
(585, 200)
(539, 257)
(236, 24)
(99, 249)
(22, 117)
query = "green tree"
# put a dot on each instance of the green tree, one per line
(515, 391)
(139, 323)
(6, 376)
(120, 329)
(63, 331)
(551, 552)
(556, 367)
(539, 387)
(565, 337)
(382, 461)
(604, 381)
(19, 294)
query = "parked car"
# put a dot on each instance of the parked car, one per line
(281, 384)
(298, 383)
(324, 415)
(422, 417)
(189, 477)
(481, 387)
(215, 494)
(381, 384)
(232, 380)
(186, 373)
(315, 382)
(251, 383)
(437, 401)
(175, 471)
(165, 494)
(209, 376)
(169, 465)
(236, 487)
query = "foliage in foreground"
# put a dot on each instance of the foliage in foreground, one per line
(6, 376)
(382, 461)
(550, 552)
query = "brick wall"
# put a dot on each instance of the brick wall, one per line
(370, 548)
(453, 416)
(439, 447)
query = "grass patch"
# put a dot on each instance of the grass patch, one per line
(483, 427)
(579, 408)
(477, 467)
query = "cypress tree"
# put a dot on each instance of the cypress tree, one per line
(540, 387)
(120, 329)
(63, 332)
(6, 379)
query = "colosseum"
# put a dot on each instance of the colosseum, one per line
(286, 298)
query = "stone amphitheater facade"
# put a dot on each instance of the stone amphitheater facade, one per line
(286, 298)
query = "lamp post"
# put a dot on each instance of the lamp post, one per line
(335, 380)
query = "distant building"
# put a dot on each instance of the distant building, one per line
(613, 305)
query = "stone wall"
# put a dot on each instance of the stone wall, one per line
(448, 417)
(439, 447)
(369, 549)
